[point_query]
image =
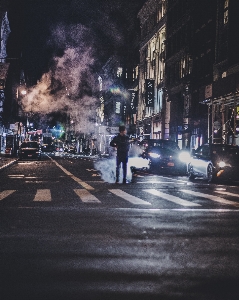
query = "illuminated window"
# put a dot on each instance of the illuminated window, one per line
(163, 8)
(137, 72)
(100, 83)
(226, 4)
(183, 67)
(119, 72)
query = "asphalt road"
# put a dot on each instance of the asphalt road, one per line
(67, 234)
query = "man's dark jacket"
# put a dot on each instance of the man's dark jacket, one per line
(122, 144)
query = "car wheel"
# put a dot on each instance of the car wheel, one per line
(190, 173)
(210, 174)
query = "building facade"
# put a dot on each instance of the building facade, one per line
(223, 102)
(4, 67)
(188, 71)
(153, 114)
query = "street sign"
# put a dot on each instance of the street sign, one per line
(108, 130)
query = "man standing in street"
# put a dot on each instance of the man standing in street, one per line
(121, 142)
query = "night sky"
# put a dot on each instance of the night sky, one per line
(107, 26)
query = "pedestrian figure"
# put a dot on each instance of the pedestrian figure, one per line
(121, 142)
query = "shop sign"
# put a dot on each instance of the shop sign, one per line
(149, 96)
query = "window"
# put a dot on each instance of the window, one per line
(163, 8)
(119, 72)
(226, 4)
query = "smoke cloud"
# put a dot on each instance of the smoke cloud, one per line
(107, 167)
(68, 85)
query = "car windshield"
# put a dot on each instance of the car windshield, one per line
(161, 150)
(167, 144)
(29, 145)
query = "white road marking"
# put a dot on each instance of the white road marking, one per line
(6, 193)
(211, 197)
(155, 181)
(157, 210)
(78, 180)
(128, 197)
(171, 198)
(82, 183)
(86, 196)
(43, 195)
(227, 193)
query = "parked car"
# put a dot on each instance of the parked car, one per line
(72, 149)
(47, 148)
(214, 162)
(30, 150)
(165, 155)
(9, 151)
(59, 147)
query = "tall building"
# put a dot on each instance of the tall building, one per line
(191, 29)
(202, 71)
(4, 66)
(179, 67)
(153, 114)
(223, 102)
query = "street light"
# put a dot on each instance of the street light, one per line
(23, 92)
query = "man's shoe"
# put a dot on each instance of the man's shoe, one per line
(117, 181)
(124, 181)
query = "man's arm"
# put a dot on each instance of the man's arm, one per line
(113, 143)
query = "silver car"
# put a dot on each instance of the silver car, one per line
(214, 162)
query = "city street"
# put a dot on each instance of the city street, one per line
(65, 233)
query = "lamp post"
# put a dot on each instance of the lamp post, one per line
(21, 93)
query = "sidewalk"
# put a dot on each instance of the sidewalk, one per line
(6, 161)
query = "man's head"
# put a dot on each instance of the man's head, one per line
(122, 130)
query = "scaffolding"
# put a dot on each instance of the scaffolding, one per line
(223, 119)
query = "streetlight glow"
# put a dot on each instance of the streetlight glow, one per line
(23, 92)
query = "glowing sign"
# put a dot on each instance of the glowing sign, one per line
(133, 101)
(149, 95)
(117, 107)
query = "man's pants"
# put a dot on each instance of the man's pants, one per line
(124, 161)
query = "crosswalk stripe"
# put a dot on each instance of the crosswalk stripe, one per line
(171, 198)
(86, 196)
(6, 193)
(82, 183)
(128, 197)
(43, 195)
(227, 193)
(211, 197)
(78, 180)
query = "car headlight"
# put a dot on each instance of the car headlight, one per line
(154, 155)
(221, 164)
(184, 156)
